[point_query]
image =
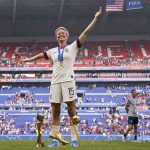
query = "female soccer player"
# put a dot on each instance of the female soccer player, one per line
(63, 78)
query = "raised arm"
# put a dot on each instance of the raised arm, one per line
(41, 55)
(85, 33)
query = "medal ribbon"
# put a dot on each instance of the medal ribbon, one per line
(61, 54)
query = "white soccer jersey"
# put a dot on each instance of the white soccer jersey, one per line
(64, 72)
(132, 107)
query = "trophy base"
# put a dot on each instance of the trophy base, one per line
(39, 144)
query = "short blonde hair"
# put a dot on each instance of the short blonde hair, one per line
(67, 33)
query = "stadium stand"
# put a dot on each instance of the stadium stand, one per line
(92, 54)
(103, 102)
(104, 106)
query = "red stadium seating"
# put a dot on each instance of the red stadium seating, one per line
(92, 53)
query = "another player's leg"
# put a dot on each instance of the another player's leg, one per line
(130, 127)
(74, 120)
(135, 129)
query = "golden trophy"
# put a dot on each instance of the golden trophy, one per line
(39, 142)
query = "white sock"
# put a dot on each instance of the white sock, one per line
(55, 128)
(73, 134)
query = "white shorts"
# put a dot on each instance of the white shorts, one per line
(63, 92)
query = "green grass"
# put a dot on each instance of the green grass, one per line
(85, 145)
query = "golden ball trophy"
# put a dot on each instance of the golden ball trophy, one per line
(39, 142)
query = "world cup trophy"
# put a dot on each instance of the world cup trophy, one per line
(39, 142)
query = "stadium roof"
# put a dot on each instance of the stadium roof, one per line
(47, 8)
(22, 14)
(52, 8)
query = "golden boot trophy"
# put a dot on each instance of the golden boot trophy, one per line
(39, 142)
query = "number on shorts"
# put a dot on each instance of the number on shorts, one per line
(71, 91)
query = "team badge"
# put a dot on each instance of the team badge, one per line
(66, 50)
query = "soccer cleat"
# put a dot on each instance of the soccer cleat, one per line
(57, 136)
(74, 144)
(54, 143)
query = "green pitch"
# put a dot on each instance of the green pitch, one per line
(85, 145)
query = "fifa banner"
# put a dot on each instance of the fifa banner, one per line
(134, 4)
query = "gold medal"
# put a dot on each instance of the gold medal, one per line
(61, 63)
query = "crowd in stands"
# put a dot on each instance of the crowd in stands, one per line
(109, 122)
(27, 98)
(110, 94)
(104, 123)
(91, 54)
(78, 75)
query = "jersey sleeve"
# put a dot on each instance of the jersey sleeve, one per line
(75, 46)
(47, 54)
